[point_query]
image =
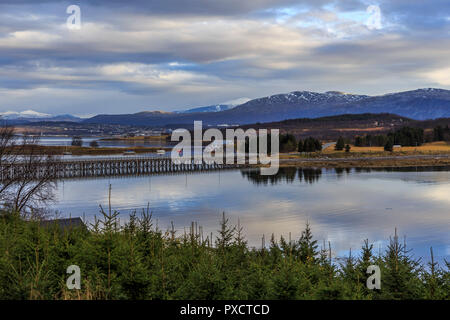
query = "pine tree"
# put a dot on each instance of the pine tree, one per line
(288, 143)
(389, 146)
(438, 134)
(318, 145)
(307, 246)
(340, 144)
(300, 146)
(358, 141)
(226, 234)
(399, 279)
(347, 148)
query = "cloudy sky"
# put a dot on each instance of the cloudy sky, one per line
(130, 56)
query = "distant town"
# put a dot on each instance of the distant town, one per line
(68, 129)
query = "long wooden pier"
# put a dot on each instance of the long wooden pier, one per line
(119, 166)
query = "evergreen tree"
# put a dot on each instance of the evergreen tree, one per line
(351, 277)
(307, 246)
(389, 146)
(347, 148)
(438, 134)
(400, 277)
(311, 145)
(226, 234)
(308, 145)
(340, 144)
(139, 261)
(300, 146)
(318, 145)
(288, 143)
(77, 141)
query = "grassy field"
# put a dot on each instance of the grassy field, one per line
(367, 157)
(365, 163)
(432, 147)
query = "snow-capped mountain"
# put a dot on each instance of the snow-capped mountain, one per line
(217, 107)
(23, 114)
(18, 117)
(416, 104)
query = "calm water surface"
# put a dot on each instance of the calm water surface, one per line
(343, 206)
(67, 141)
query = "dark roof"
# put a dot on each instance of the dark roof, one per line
(64, 223)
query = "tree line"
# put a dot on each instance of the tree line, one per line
(441, 133)
(405, 136)
(288, 143)
(77, 141)
(140, 261)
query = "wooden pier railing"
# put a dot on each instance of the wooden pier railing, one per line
(79, 168)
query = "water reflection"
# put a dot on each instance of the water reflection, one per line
(313, 175)
(284, 175)
(343, 206)
(102, 142)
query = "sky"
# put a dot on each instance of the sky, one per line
(144, 55)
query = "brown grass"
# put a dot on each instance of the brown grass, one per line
(368, 163)
(362, 129)
(433, 147)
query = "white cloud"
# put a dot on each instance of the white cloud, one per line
(178, 59)
(440, 76)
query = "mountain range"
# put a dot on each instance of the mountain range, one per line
(420, 104)
(417, 104)
(30, 116)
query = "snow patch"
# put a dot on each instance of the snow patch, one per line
(23, 114)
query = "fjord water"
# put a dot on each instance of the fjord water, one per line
(67, 141)
(342, 206)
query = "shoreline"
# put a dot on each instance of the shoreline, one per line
(91, 151)
(369, 162)
(325, 160)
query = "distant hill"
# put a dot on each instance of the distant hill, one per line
(27, 114)
(417, 104)
(347, 125)
(47, 118)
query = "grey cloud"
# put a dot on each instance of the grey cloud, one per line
(419, 16)
(207, 7)
(241, 50)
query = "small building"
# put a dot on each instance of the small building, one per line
(64, 224)
(396, 146)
